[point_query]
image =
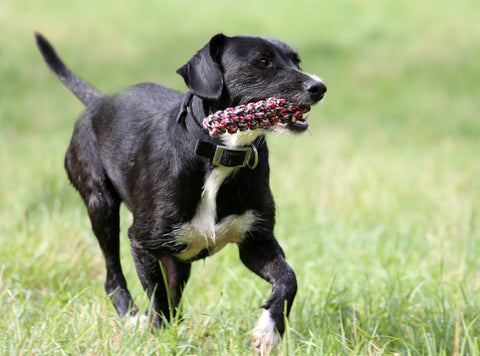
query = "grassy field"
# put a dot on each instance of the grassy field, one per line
(378, 205)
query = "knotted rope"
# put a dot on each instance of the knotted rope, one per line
(252, 116)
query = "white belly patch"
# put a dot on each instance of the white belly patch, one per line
(202, 232)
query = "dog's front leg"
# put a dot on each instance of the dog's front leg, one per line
(153, 282)
(264, 256)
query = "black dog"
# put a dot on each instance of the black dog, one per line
(190, 194)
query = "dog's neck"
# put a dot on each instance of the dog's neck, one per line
(240, 138)
(198, 109)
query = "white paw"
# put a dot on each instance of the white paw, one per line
(264, 336)
(139, 319)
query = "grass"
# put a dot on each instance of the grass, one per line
(378, 205)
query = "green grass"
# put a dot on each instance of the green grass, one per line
(378, 205)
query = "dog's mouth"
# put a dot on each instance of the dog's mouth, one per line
(296, 122)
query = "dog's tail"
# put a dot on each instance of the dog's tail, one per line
(82, 90)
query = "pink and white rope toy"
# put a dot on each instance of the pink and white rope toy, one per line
(252, 116)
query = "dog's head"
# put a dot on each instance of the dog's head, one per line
(230, 71)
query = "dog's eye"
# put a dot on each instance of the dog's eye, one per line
(263, 62)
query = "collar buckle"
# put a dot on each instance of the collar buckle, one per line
(222, 156)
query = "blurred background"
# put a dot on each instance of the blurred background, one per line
(383, 192)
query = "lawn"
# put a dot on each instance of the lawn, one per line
(378, 204)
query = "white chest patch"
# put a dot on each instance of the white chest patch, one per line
(202, 232)
(241, 138)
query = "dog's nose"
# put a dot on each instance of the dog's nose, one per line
(316, 89)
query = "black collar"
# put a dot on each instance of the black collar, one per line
(184, 108)
(219, 156)
(222, 156)
(187, 107)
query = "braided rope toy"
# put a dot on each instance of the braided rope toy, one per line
(252, 116)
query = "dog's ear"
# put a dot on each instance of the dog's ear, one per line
(203, 73)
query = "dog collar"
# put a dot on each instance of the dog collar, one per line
(222, 156)
(184, 108)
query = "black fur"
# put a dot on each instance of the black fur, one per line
(128, 147)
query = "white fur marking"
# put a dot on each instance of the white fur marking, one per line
(204, 219)
(264, 335)
(139, 319)
(241, 138)
(202, 232)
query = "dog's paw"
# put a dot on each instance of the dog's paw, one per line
(264, 336)
(140, 319)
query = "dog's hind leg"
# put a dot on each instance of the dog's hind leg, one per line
(103, 204)
(104, 216)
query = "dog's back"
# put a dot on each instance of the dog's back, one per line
(145, 111)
